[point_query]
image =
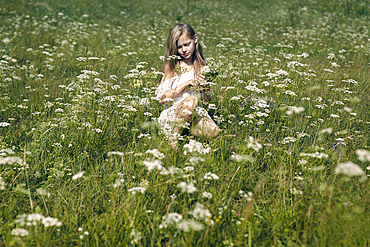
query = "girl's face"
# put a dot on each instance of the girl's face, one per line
(186, 46)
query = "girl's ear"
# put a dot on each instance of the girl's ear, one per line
(195, 38)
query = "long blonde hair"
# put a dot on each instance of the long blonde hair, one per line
(169, 64)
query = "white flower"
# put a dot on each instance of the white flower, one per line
(328, 130)
(194, 146)
(10, 160)
(350, 169)
(196, 160)
(239, 158)
(42, 192)
(49, 221)
(200, 212)
(2, 184)
(151, 165)
(294, 109)
(294, 191)
(136, 236)
(207, 195)
(187, 225)
(4, 124)
(156, 153)
(78, 175)
(363, 155)
(210, 176)
(315, 155)
(254, 144)
(188, 168)
(20, 232)
(189, 188)
(115, 153)
(248, 196)
(137, 189)
(171, 218)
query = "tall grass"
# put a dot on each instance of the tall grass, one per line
(83, 160)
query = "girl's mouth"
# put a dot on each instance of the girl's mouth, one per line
(185, 54)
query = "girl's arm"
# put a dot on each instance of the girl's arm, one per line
(172, 94)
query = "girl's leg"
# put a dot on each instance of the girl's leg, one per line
(206, 127)
(184, 111)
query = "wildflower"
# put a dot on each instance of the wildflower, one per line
(294, 109)
(288, 139)
(49, 221)
(207, 195)
(248, 196)
(78, 175)
(118, 183)
(42, 192)
(171, 218)
(136, 236)
(115, 153)
(239, 158)
(188, 168)
(156, 153)
(328, 130)
(211, 176)
(194, 146)
(196, 160)
(10, 160)
(187, 225)
(20, 232)
(350, 169)
(254, 144)
(200, 212)
(137, 189)
(363, 155)
(4, 124)
(151, 165)
(315, 155)
(189, 188)
(294, 191)
(2, 184)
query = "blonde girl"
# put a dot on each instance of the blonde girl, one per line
(182, 86)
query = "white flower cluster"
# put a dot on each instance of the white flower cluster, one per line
(363, 155)
(137, 189)
(189, 188)
(349, 168)
(34, 219)
(194, 146)
(315, 155)
(199, 212)
(294, 109)
(254, 144)
(156, 153)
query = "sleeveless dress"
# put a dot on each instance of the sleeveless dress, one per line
(167, 117)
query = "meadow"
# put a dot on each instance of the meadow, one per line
(83, 161)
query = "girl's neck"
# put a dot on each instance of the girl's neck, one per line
(186, 65)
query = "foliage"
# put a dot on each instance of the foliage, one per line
(83, 160)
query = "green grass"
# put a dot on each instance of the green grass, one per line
(269, 56)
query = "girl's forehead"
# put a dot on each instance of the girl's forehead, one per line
(183, 39)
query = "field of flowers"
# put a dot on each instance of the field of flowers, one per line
(83, 160)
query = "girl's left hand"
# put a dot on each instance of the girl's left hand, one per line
(201, 80)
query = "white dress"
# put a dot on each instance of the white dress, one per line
(167, 117)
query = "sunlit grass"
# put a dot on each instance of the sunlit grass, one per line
(80, 143)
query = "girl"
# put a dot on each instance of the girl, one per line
(181, 86)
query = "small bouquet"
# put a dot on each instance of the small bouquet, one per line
(210, 74)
